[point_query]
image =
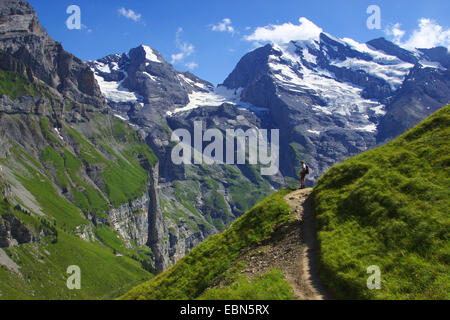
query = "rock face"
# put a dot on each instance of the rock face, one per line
(56, 128)
(131, 219)
(424, 91)
(13, 232)
(157, 229)
(26, 48)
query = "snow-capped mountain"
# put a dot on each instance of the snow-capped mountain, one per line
(130, 81)
(145, 90)
(197, 201)
(333, 98)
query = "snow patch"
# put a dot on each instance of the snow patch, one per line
(120, 117)
(285, 74)
(322, 109)
(393, 74)
(153, 78)
(6, 261)
(309, 57)
(378, 56)
(431, 64)
(115, 66)
(215, 98)
(150, 54)
(193, 83)
(113, 91)
(288, 52)
(314, 132)
(340, 98)
(369, 128)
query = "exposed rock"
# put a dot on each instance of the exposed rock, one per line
(131, 220)
(13, 231)
(157, 230)
(25, 47)
(424, 91)
(85, 232)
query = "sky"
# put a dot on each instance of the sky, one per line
(209, 37)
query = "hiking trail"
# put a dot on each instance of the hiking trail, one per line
(293, 249)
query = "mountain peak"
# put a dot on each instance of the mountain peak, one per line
(25, 42)
(151, 54)
(22, 19)
(381, 44)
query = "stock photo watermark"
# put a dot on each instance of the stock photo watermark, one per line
(374, 20)
(74, 280)
(73, 22)
(260, 151)
(374, 280)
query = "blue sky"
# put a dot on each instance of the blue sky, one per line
(208, 37)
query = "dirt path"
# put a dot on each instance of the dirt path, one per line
(292, 249)
(300, 204)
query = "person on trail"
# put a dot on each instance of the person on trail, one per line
(303, 173)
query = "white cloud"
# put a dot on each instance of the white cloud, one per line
(429, 34)
(395, 32)
(286, 32)
(86, 28)
(130, 14)
(186, 48)
(177, 57)
(191, 65)
(224, 26)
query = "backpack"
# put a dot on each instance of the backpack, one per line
(307, 170)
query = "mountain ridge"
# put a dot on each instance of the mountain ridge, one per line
(331, 98)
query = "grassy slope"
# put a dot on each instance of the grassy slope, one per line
(269, 286)
(15, 85)
(204, 182)
(43, 265)
(191, 277)
(390, 207)
(55, 176)
(378, 208)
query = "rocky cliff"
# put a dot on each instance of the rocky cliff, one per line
(75, 179)
(26, 48)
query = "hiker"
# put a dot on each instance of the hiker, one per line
(303, 173)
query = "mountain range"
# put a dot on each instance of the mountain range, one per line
(330, 98)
